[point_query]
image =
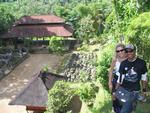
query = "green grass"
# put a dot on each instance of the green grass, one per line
(143, 107)
(102, 103)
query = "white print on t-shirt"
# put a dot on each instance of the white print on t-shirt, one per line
(131, 75)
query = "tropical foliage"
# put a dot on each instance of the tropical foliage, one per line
(139, 34)
(6, 18)
(56, 44)
(59, 97)
(107, 21)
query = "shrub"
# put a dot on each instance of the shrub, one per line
(139, 34)
(88, 92)
(56, 45)
(103, 64)
(59, 97)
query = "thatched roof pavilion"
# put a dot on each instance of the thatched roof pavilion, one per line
(35, 95)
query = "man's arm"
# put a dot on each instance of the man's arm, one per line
(144, 80)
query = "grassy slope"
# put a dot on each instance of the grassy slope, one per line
(103, 104)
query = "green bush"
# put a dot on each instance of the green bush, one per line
(138, 33)
(103, 64)
(85, 30)
(87, 92)
(6, 18)
(45, 68)
(56, 45)
(59, 97)
(102, 103)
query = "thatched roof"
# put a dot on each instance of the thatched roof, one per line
(36, 91)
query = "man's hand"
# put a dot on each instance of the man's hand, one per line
(141, 97)
(146, 93)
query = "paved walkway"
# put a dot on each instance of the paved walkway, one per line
(20, 76)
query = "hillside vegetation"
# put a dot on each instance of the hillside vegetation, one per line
(99, 25)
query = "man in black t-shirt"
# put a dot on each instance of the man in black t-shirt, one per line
(133, 76)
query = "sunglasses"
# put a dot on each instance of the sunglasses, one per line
(129, 51)
(119, 50)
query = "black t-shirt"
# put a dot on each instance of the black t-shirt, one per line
(132, 72)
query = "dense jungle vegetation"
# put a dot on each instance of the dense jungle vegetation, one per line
(97, 23)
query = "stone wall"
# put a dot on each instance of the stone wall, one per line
(9, 59)
(80, 67)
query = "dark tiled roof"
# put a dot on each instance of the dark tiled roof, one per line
(39, 26)
(39, 31)
(36, 91)
(39, 19)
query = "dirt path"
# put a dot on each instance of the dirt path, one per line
(20, 76)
